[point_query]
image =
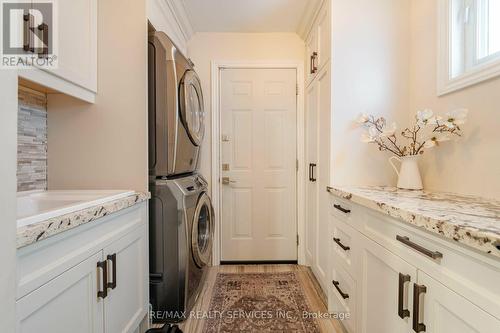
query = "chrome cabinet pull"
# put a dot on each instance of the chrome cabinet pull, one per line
(431, 254)
(402, 312)
(103, 266)
(417, 291)
(342, 246)
(342, 209)
(336, 285)
(112, 258)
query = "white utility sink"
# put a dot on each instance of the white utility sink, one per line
(36, 206)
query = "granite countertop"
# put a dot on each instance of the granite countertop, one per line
(469, 220)
(36, 232)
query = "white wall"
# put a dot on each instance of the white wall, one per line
(104, 145)
(204, 48)
(471, 165)
(370, 73)
(8, 188)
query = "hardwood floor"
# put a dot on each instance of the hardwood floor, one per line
(313, 293)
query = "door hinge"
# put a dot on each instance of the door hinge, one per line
(297, 89)
(298, 242)
(297, 165)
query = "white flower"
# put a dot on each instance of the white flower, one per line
(388, 131)
(435, 140)
(424, 116)
(362, 119)
(455, 118)
(370, 136)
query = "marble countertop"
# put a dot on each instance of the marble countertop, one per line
(39, 231)
(470, 220)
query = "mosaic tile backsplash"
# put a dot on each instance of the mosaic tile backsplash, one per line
(32, 140)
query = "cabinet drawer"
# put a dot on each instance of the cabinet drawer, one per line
(472, 275)
(342, 209)
(342, 296)
(344, 246)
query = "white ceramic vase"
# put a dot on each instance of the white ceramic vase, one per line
(408, 173)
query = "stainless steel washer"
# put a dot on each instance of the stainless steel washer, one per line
(181, 232)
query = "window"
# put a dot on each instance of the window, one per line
(469, 44)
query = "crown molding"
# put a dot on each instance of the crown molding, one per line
(179, 10)
(310, 13)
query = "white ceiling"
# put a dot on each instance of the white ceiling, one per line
(248, 15)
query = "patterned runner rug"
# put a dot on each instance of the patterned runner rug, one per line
(264, 302)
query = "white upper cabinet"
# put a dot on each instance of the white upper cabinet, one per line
(318, 43)
(76, 33)
(324, 36)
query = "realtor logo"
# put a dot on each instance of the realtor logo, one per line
(28, 34)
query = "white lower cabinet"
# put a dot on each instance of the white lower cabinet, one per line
(443, 310)
(388, 287)
(124, 306)
(67, 303)
(102, 279)
(385, 290)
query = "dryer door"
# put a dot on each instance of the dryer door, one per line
(202, 231)
(191, 106)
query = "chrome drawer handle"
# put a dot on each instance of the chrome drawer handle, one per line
(431, 254)
(342, 209)
(342, 246)
(343, 294)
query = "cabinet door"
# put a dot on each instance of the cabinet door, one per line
(380, 296)
(311, 159)
(127, 302)
(442, 311)
(77, 51)
(323, 175)
(324, 36)
(68, 303)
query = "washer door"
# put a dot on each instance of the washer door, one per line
(191, 106)
(201, 234)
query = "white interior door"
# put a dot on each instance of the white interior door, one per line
(259, 153)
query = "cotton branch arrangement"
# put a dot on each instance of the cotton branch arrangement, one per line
(428, 131)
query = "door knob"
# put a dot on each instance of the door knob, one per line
(227, 181)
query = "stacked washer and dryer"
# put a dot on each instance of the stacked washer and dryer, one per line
(181, 214)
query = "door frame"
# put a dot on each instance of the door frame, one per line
(216, 67)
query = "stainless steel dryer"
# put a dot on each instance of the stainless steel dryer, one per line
(176, 111)
(180, 241)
